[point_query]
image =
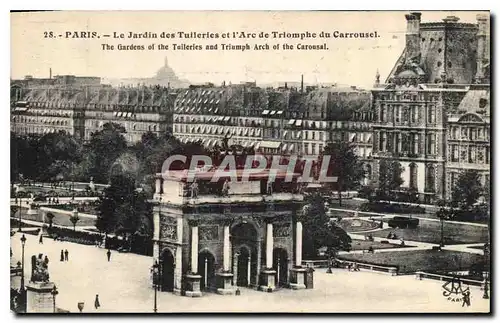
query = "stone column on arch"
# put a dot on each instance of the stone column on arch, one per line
(193, 278)
(225, 276)
(298, 272)
(268, 274)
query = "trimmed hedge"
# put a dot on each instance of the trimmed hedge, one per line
(473, 215)
(66, 234)
(385, 207)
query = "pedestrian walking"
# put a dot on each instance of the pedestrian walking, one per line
(109, 254)
(62, 255)
(466, 297)
(97, 304)
(66, 255)
(40, 241)
(46, 260)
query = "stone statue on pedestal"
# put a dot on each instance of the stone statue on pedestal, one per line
(39, 269)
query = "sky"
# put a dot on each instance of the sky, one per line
(347, 61)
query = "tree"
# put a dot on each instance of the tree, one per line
(106, 146)
(345, 165)
(319, 231)
(123, 209)
(389, 178)
(467, 190)
(74, 219)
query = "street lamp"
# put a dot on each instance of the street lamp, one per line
(19, 200)
(23, 242)
(54, 292)
(156, 282)
(443, 214)
(485, 268)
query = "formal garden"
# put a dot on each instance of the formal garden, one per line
(430, 231)
(411, 261)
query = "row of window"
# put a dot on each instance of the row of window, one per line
(469, 154)
(408, 97)
(413, 114)
(268, 122)
(41, 121)
(128, 108)
(361, 137)
(35, 130)
(469, 133)
(406, 143)
(430, 177)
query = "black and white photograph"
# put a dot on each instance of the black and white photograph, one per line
(250, 162)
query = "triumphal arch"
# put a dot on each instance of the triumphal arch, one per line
(218, 236)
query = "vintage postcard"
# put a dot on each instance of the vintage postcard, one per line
(250, 162)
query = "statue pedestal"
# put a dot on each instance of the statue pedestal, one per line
(224, 286)
(39, 298)
(193, 286)
(298, 278)
(268, 280)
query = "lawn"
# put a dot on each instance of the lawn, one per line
(59, 219)
(364, 245)
(419, 260)
(430, 231)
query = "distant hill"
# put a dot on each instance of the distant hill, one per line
(164, 76)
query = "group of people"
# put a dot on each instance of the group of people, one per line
(64, 255)
(353, 267)
(53, 200)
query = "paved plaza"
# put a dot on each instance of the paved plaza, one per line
(123, 285)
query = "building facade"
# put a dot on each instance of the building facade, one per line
(419, 102)
(138, 109)
(82, 110)
(274, 121)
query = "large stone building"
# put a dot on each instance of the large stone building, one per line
(138, 109)
(80, 110)
(284, 121)
(427, 92)
(217, 235)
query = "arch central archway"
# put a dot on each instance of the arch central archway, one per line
(167, 271)
(245, 245)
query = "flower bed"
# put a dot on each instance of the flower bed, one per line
(357, 225)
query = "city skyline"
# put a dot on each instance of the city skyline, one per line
(32, 56)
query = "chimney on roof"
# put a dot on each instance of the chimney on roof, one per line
(223, 83)
(168, 85)
(50, 73)
(483, 45)
(302, 83)
(377, 78)
(451, 19)
(286, 85)
(412, 36)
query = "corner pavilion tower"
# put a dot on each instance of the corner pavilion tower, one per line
(215, 236)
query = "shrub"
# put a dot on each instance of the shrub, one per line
(385, 207)
(476, 214)
(365, 192)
